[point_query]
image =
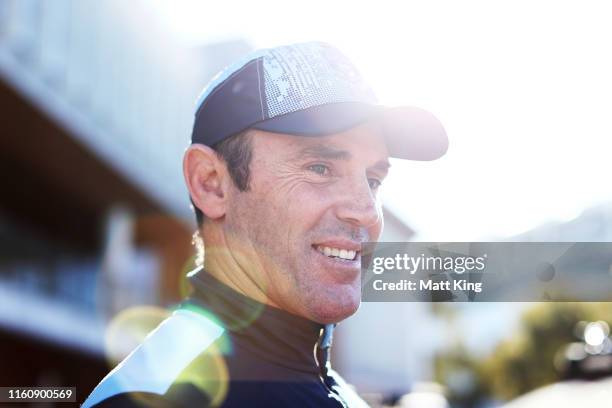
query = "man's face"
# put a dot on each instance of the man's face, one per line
(312, 201)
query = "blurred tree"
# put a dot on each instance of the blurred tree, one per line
(462, 375)
(521, 363)
(526, 360)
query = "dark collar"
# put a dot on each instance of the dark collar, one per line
(271, 333)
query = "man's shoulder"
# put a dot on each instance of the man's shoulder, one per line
(163, 368)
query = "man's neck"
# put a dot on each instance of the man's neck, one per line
(227, 264)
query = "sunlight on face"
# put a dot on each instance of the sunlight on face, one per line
(312, 202)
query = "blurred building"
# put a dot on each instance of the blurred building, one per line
(97, 105)
(592, 225)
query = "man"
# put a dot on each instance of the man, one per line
(288, 151)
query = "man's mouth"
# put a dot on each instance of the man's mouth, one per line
(333, 252)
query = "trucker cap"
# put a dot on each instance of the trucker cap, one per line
(308, 89)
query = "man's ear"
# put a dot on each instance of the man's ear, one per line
(207, 179)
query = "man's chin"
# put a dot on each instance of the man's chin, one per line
(334, 311)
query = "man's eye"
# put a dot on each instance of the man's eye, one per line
(374, 183)
(320, 169)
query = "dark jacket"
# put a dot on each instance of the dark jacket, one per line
(220, 348)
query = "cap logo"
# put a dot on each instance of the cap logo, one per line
(304, 75)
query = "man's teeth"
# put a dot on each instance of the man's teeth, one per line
(336, 252)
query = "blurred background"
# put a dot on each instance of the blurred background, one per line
(97, 101)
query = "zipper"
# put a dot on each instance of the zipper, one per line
(322, 359)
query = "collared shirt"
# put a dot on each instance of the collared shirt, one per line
(221, 348)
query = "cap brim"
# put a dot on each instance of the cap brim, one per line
(410, 133)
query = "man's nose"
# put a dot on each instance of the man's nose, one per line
(358, 204)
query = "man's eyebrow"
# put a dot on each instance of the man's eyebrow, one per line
(382, 165)
(323, 152)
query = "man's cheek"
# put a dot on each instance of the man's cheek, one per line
(376, 231)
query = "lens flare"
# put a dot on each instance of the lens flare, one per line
(207, 372)
(129, 328)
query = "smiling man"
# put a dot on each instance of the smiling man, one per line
(289, 150)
